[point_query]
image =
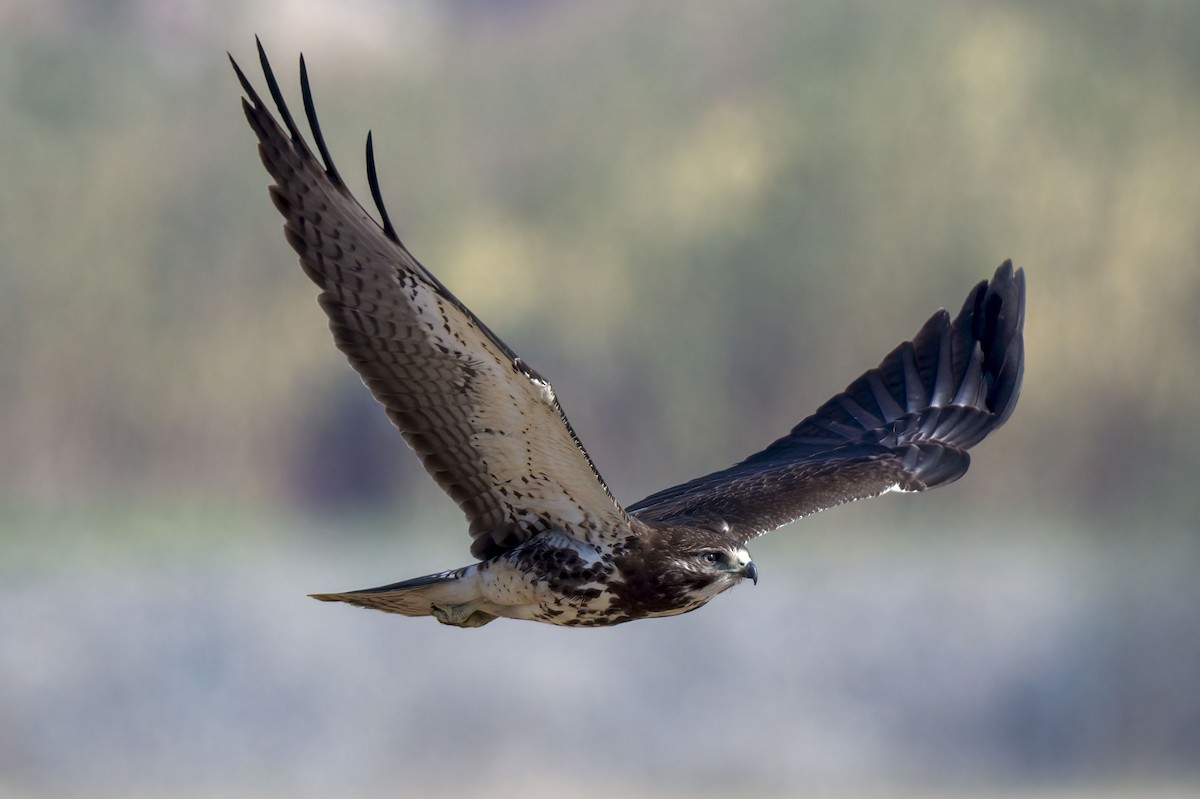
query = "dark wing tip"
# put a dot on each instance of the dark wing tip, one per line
(273, 143)
(277, 95)
(953, 383)
(376, 194)
(999, 326)
(310, 111)
(241, 76)
(261, 121)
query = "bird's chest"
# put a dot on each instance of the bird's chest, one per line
(560, 580)
(555, 579)
(646, 590)
(632, 587)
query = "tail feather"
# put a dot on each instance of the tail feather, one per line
(415, 597)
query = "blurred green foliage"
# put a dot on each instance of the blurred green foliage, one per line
(699, 219)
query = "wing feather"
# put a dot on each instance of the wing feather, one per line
(485, 425)
(905, 425)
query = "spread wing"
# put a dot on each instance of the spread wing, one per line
(485, 425)
(905, 425)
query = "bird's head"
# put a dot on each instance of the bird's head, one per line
(730, 563)
(713, 559)
(674, 568)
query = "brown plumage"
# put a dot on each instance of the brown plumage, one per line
(553, 543)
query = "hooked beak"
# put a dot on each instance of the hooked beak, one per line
(751, 571)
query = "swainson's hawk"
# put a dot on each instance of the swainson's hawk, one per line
(552, 542)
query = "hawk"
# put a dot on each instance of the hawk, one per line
(552, 543)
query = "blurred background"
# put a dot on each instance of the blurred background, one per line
(700, 219)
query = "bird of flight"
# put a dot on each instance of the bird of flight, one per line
(552, 543)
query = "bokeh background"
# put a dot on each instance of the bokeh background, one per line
(700, 219)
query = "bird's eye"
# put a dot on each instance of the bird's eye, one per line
(712, 557)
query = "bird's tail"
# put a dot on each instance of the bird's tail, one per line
(445, 595)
